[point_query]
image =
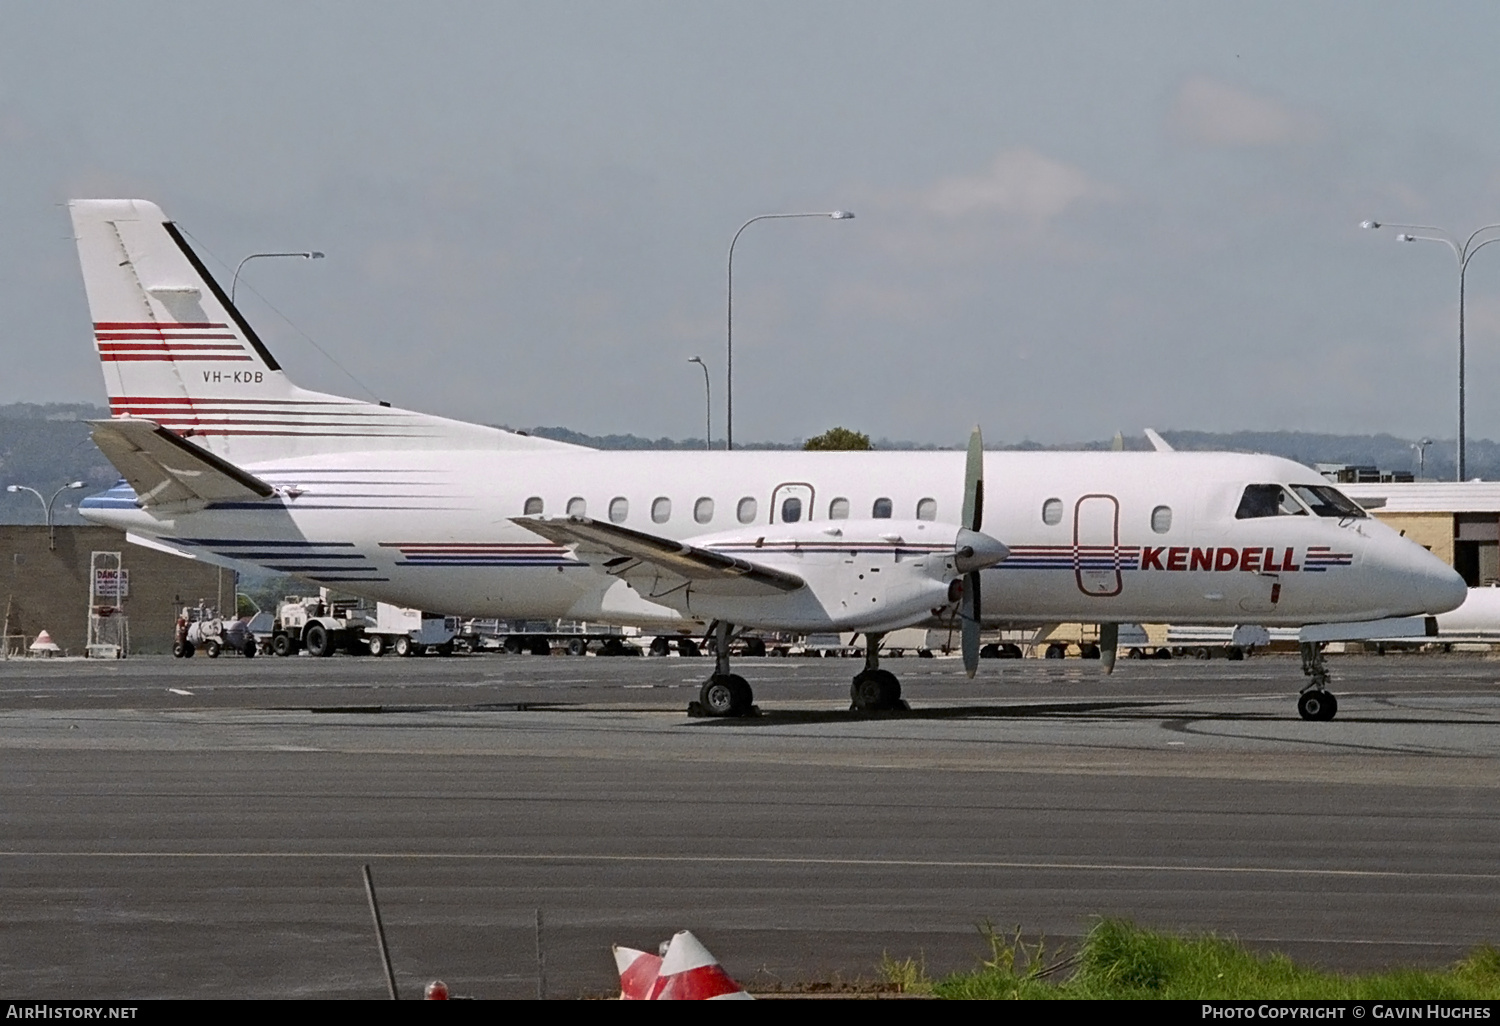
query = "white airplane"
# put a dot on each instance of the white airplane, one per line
(225, 460)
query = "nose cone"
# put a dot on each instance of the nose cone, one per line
(1420, 583)
(975, 550)
(1443, 589)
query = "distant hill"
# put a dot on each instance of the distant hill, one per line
(45, 445)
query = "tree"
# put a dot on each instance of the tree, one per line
(838, 439)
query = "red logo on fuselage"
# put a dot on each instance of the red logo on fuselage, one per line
(1254, 559)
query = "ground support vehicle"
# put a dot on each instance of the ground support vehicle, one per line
(1220, 642)
(200, 628)
(318, 624)
(574, 637)
(408, 632)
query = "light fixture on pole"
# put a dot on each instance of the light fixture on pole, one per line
(310, 254)
(46, 506)
(708, 413)
(1421, 446)
(1464, 252)
(837, 215)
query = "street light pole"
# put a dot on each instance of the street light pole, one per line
(837, 215)
(1421, 446)
(1463, 252)
(310, 254)
(708, 412)
(46, 506)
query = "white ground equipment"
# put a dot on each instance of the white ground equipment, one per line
(201, 627)
(410, 631)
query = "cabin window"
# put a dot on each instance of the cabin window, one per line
(1052, 512)
(703, 510)
(533, 506)
(1328, 502)
(791, 510)
(619, 509)
(746, 510)
(661, 510)
(577, 507)
(838, 509)
(1268, 500)
(1161, 519)
(927, 509)
(881, 510)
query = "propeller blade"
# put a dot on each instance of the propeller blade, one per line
(973, 517)
(1109, 645)
(971, 624)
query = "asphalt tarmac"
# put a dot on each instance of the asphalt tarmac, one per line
(196, 828)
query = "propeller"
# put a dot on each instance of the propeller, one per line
(975, 551)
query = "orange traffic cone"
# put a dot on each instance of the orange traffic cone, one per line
(639, 973)
(689, 973)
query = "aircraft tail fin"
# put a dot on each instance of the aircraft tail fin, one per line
(176, 351)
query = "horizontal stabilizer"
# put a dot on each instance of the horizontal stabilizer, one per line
(166, 469)
(622, 552)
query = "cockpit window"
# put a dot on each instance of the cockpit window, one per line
(1328, 502)
(1268, 500)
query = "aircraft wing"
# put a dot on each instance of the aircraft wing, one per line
(166, 469)
(638, 557)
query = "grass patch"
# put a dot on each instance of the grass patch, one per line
(1121, 960)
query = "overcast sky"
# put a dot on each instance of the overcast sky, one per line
(1071, 217)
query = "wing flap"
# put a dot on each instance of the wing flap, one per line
(623, 552)
(166, 469)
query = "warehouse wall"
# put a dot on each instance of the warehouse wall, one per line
(48, 590)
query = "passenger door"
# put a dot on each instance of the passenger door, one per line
(1096, 545)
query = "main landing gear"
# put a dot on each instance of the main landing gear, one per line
(874, 689)
(725, 693)
(1315, 702)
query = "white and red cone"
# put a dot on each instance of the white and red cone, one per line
(640, 973)
(689, 973)
(44, 643)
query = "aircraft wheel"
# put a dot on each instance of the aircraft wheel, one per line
(726, 695)
(319, 642)
(577, 647)
(211, 649)
(378, 645)
(403, 646)
(1317, 705)
(281, 644)
(875, 691)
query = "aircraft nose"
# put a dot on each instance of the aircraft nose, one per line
(1443, 589)
(1427, 584)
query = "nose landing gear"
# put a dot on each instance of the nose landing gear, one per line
(1316, 702)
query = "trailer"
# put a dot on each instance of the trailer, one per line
(200, 627)
(409, 632)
